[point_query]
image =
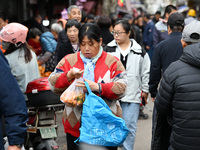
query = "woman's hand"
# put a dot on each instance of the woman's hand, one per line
(93, 85)
(73, 74)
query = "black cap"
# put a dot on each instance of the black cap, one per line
(175, 19)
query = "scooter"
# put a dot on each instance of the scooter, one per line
(42, 129)
(42, 125)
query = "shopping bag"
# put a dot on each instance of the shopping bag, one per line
(99, 126)
(73, 96)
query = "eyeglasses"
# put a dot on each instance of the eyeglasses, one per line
(117, 33)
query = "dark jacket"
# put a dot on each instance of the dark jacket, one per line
(179, 98)
(154, 20)
(136, 34)
(62, 36)
(65, 48)
(12, 106)
(62, 39)
(148, 34)
(148, 38)
(160, 33)
(165, 53)
(107, 37)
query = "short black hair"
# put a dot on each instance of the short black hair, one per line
(33, 32)
(3, 16)
(113, 17)
(176, 28)
(72, 22)
(147, 15)
(139, 16)
(84, 16)
(125, 24)
(169, 9)
(104, 22)
(90, 16)
(158, 12)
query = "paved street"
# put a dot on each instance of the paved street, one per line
(143, 137)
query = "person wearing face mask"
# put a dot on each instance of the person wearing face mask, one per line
(137, 64)
(71, 46)
(104, 73)
(22, 60)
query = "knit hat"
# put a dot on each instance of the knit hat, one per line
(191, 32)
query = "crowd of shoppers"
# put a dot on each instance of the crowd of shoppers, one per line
(108, 52)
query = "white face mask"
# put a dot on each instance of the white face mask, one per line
(5, 45)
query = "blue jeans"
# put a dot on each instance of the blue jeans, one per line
(130, 113)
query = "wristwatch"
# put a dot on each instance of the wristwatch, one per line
(19, 145)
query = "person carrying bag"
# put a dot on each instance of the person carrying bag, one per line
(99, 126)
(105, 76)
